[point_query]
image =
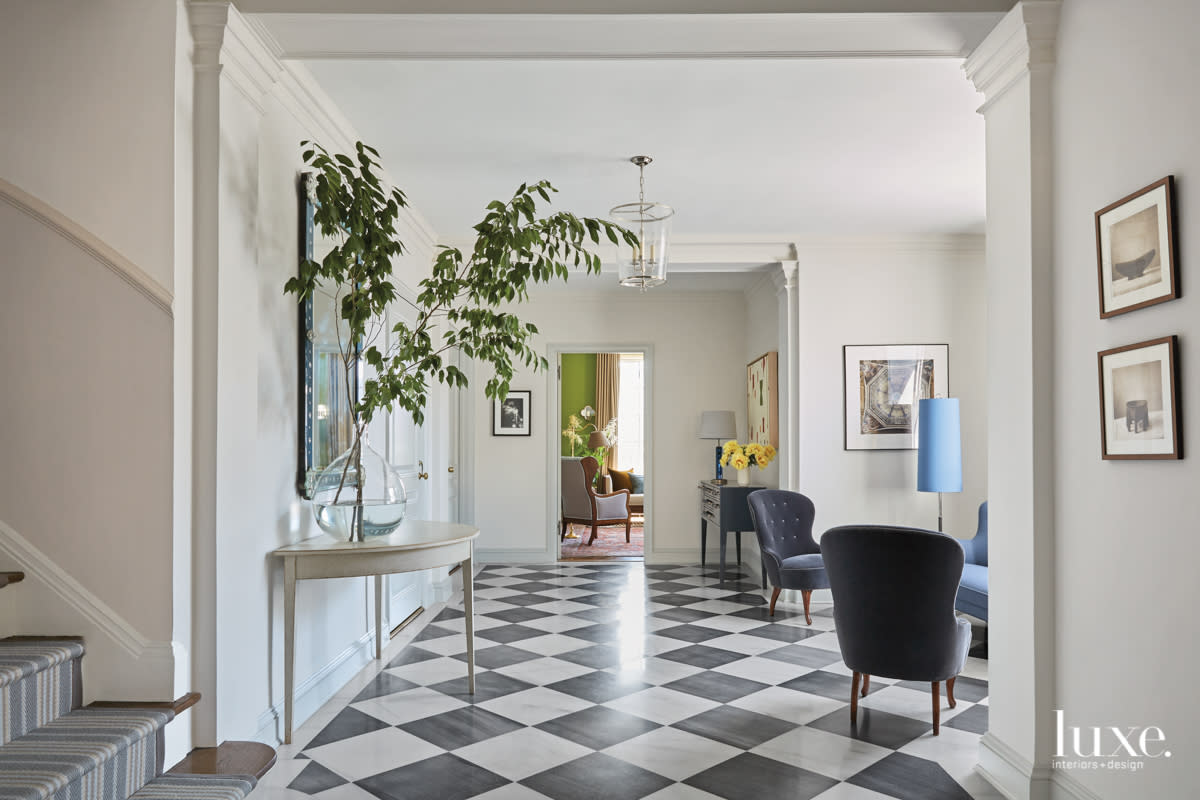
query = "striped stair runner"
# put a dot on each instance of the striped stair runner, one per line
(38, 684)
(196, 787)
(89, 754)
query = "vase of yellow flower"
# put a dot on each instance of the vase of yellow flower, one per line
(742, 457)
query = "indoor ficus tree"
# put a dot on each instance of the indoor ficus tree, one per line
(461, 305)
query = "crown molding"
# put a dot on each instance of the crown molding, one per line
(250, 65)
(1022, 42)
(600, 36)
(207, 19)
(88, 242)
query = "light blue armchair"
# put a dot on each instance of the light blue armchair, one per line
(973, 588)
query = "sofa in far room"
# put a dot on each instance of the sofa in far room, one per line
(973, 587)
(627, 479)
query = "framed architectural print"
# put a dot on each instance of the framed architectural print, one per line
(762, 399)
(510, 416)
(1139, 401)
(1135, 250)
(882, 384)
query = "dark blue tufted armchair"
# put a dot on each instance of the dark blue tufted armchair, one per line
(893, 605)
(783, 522)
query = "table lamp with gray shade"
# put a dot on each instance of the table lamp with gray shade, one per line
(718, 425)
(939, 448)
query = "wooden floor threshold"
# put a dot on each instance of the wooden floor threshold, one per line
(230, 758)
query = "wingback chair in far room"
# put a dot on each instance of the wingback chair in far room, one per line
(893, 607)
(783, 522)
(973, 588)
(581, 504)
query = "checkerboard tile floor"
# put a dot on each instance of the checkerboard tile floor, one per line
(624, 681)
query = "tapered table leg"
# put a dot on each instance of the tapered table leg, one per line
(289, 643)
(468, 571)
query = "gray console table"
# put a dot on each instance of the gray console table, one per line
(415, 545)
(725, 506)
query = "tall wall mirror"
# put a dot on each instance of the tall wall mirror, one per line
(326, 391)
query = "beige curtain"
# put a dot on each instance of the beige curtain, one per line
(608, 387)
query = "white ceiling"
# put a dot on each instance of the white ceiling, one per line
(770, 126)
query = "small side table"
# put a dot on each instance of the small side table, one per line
(725, 506)
(415, 545)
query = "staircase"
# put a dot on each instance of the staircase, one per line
(53, 747)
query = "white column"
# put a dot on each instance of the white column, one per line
(1013, 68)
(792, 354)
(208, 19)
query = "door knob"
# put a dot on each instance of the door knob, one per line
(421, 473)
(449, 469)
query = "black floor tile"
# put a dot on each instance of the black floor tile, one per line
(350, 722)
(760, 613)
(526, 599)
(750, 775)
(970, 689)
(434, 631)
(600, 633)
(974, 719)
(746, 598)
(518, 614)
(803, 656)
(448, 613)
(877, 727)
(691, 633)
(598, 656)
(461, 727)
(532, 586)
(826, 684)
(506, 634)
(499, 656)
(784, 633)
(599, 614)
(909, 778)
(597, 777)
(444, 777)
(677, 599)
(488, 686)
(383, 683)
(599, 686)
(315, 778)
(668, 586)
(736, 727)
(412, 655)
(716, 686)
(681, 614)
(598, 727)
(698, 655)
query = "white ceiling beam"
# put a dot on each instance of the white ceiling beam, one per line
(318, 36)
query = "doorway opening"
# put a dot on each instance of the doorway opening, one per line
(602, 456)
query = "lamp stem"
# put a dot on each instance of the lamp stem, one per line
(939, 494)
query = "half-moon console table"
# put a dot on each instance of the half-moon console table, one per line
(415, 545)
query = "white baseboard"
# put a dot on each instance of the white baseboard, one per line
(1065, 787)
(1011, 774)
(121, 663)
(498, 555)
(316, 690)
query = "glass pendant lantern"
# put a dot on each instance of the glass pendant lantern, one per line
(644, 265)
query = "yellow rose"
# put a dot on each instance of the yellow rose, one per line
(730, 446)
(753, 449)
(725, 460)
(769, 452)
(739, 461)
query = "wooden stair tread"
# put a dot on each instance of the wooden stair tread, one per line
(178, 705)
(230, 758)
(10, 577)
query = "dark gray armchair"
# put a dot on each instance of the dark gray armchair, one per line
(893, 605)
(791, 558)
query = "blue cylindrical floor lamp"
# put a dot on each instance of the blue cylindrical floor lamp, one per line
(939, 448)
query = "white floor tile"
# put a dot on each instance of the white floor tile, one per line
(819, 751)
(522, 753)
(672, 752)
(798, 707)
(744, 643)
(654, 670)
(848, 791)
(543, 671)
(664, 706)
(362, 756)
(910, 703)
(402, 707)
(534, 706)
(763, 670)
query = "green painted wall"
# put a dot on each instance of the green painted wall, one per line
(578, 389)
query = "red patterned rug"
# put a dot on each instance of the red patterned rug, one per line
(610, 543)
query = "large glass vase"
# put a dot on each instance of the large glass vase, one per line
(339, 508)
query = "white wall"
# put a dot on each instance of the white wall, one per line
(1126, 115)
(923, 291)
(766, 309)
(87, 132)
(87, 92)
(699, 364)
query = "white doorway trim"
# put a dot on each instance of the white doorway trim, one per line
(554, 440)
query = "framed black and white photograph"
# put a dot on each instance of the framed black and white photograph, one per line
(882, 384)
(510, 416)
(1135, 250)
(1139, 401)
